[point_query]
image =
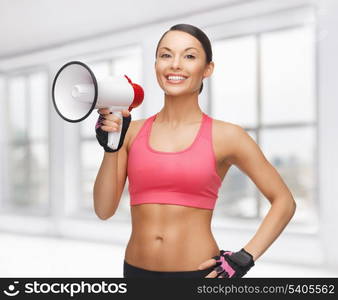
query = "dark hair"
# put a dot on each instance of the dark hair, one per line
(198, 34)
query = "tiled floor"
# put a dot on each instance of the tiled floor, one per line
(30, 256)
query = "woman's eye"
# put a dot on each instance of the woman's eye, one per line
(165, 55)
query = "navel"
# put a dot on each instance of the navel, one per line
(159, 238)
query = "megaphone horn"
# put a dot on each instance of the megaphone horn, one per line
(76, 92)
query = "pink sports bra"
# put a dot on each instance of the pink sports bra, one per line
(186, 177)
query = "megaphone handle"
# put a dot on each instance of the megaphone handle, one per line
(114, 137)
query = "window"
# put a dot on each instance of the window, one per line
(265, 83)
(27, 140)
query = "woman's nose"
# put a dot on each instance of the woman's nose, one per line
(176, 63)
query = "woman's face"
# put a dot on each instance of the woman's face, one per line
(181, 64)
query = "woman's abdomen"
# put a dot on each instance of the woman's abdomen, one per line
(170, 244)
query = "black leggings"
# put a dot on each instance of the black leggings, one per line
(130, 271)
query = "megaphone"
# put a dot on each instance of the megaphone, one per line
(76, 92)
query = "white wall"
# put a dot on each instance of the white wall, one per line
(328, 128)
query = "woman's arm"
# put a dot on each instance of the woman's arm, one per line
(248, 157)
(105, 187)
(110, 180)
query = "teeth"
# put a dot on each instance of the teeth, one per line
(176, 78)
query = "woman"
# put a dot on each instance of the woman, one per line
(176, 161)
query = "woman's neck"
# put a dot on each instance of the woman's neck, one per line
(181, 110)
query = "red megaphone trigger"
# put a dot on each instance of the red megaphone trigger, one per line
(138, 94)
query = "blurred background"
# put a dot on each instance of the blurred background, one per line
(276, 75)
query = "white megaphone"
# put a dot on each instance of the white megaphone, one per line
(76, 92)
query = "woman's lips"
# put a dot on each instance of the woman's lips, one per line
(175, 81)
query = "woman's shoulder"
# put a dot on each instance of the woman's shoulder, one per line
(226, 129)
(134, 127)
(136, 124)
(226, 136)
(236, 143)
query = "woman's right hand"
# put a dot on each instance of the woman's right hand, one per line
(108, 122)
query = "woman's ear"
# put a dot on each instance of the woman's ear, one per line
(209, 69)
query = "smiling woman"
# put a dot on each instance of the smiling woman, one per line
(175, 161)
(202, 51)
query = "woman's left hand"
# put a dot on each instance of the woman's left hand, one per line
(229, 264)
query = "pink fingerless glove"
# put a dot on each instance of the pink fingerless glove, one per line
(233, 264)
